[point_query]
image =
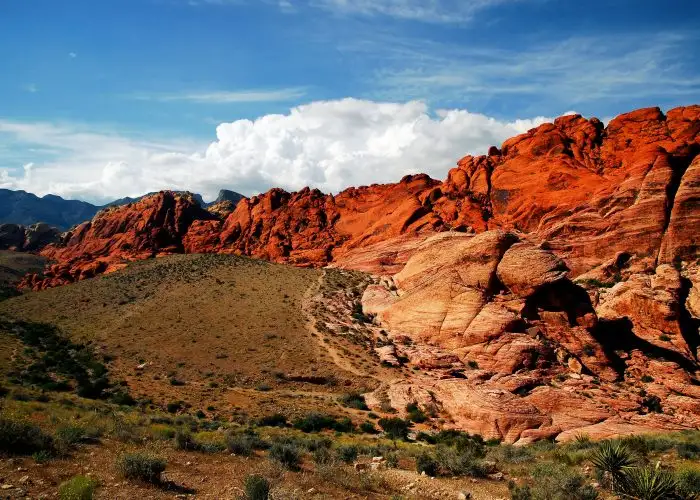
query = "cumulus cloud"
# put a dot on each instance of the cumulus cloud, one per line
(327, 144)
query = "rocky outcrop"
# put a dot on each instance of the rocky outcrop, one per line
(153, 226)
(529, 357)
(27, 238)
(584, 191)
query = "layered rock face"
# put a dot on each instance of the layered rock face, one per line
(152, 226)
(586, 190)
(529, 354)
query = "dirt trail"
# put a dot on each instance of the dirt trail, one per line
(311, 296)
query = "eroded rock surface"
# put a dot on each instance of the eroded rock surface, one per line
(529, 356)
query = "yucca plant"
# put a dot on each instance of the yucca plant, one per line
(648, 483)
(612, 459)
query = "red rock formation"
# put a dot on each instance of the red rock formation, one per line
(588, 192)
(152, 226)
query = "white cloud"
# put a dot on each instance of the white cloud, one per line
(31, 88)
(442, 11)
(72, 55)
(222, 97)
(327, 144)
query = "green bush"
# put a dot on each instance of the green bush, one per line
(71, 434)
(513, 454)
(256, 488)
(368, 428)
(141, 467)
(276, 420)
(427, 463)
(688, 480)
(18, 437)
(77, 488)
(690, 451)
(461, 462)
(354, 400)
(395, 428)
(415, 414)
(647, 483)
(184, 441)
(287, 454)
(316, 422)
(347, 454)
(519, 492)
(244, 443)
(556, 482)
(322, 456)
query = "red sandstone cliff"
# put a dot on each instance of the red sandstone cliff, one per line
(586, 190)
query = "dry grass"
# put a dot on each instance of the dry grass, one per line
(214, 331)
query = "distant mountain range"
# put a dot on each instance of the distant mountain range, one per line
(21, 207)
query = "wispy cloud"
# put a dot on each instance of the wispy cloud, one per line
(564, 73)
(31, 88)
(72, 55)
(430, 11)
(223, 97)
(436, 11)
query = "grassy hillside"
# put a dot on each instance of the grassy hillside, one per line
(207, 330)
(13, 266)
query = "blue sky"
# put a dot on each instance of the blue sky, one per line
(100, 99)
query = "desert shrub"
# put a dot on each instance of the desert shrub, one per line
(244, 443)
(174, 406)
(72, 434)
(513, 454)
(275, 420)
(354, 481)
(690, 451)
(315, 422)
(415, 414)
(184, 441)
(123, 399)
(368, 428)
(67, 436)
(395, 428)
(354, 400)
(688, 481)
(347, 454)
(317, 443)
(343, 424)
(141, 467)
(519, 492)
(322, 456)
(287, 454)
(647, 483)
(162, 432)
(612, 458)
(647, 379)
(642, 445)
(461, 462)
(18, 437)
(392, 460)
(425, 462)
(77, 488)
(556, 482)
(256, 488)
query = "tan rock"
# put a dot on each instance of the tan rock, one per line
(525, 268)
